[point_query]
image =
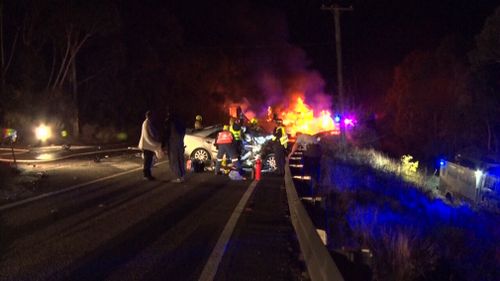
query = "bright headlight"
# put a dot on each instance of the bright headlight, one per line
(43, 132)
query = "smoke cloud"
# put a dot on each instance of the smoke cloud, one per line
(270, 71)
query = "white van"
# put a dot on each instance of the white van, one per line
(472, 180)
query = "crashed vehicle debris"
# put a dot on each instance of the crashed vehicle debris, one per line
(298, 117)
(200, 146)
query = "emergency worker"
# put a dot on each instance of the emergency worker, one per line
(254, 125)
(237, 131)
(198, 122)
(240, 115)
(280, 143)
(225, 145)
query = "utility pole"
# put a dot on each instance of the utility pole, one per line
(335, 9)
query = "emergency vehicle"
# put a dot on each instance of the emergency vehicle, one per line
(473, 180)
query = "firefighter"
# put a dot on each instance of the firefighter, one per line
(236, 129)
(197, 123)
(280, 142)
(240, 115)
(254, 125)
(225, 145)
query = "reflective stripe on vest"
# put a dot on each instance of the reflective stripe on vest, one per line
(284, 136)
(224, 137)
(236, 133)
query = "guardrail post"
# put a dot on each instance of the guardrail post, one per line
(319, 262)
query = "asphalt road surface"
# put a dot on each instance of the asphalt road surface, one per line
(125, 228)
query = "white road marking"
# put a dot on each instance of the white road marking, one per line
(73, 187)
(213, 262)
(34, 161)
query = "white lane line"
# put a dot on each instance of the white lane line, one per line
(31, 161)
(213, 262)
(73, 187)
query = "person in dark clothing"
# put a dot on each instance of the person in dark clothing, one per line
(235, 127)
(280, 142)
(175, 130)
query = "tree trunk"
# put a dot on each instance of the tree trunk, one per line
(5, 61)
(488, 127)
(75, 119)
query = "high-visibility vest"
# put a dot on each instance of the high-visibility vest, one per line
(224, 137)
(284, 137)
(236, 133)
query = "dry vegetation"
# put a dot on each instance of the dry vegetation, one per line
(412, 232)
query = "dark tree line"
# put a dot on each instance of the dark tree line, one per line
(103, 63)
(447, 101)
(75, 63)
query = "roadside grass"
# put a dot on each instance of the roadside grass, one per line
(412, 232)
(15, 183)
(7, 174)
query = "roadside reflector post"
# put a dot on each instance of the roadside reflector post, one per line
(13, 154)
(11, 134)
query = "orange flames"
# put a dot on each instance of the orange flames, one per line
(300, 118)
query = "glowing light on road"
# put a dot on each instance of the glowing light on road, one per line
(43, 132)
(45, 156)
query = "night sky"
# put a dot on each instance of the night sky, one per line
(376, 34)
(150, 53)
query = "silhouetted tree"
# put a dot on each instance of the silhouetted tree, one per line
(426, 101)
(485, 60)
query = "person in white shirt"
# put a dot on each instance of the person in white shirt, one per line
(149, 145)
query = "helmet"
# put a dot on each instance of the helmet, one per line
(198, 117)
(279, 121)
(254, 121)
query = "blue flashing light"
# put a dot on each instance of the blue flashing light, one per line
(442, 162)
(336, 118)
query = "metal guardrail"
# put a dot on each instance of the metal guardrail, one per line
(319, 262)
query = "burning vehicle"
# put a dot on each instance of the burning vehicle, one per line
(297, 117)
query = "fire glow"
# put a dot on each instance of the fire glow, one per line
(300, 118)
